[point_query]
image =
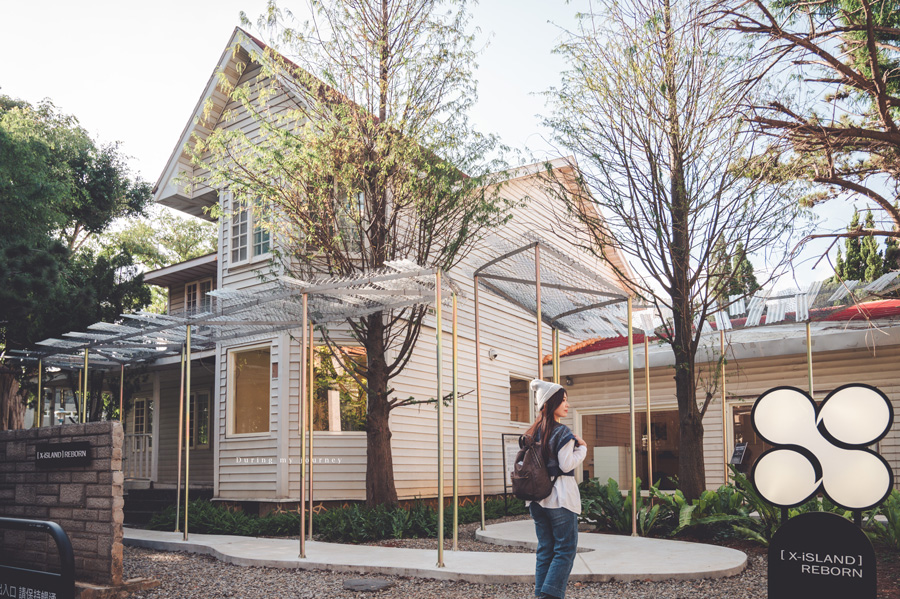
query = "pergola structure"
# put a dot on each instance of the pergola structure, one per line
(565, 295)
(290, 303)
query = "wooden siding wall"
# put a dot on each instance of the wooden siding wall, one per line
(169, 399)
(340, 458)
(745, 380)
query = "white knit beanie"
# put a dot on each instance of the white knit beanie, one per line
(543, 390)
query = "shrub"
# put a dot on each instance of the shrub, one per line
(606, 508)
(887, 534)
(354, 523)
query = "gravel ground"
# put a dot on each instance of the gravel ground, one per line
(196, 576)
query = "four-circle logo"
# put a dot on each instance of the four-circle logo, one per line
(823, 447)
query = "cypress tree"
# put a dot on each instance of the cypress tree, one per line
(854, 264)
(872, 260)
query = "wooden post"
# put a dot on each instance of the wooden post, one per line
(180, 447)
(305, 381)
(649, 429)
(537, 287)
(634, 489)
(478, 407)
(440, 418)
(187, 427)
(311, 390)
(724, 419)
(455, 429)
(39, 419)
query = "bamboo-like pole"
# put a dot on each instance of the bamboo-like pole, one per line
(634, 490)
(305, 381)
(84, 394)
(78, 398)
(180, 447)
(440, 418)
(187, 427)
(555, 355)
(478, 406)
(649, 433)
(311, 389)
(122, 394)
(455, 429)
(39, 420)
(537, 293)
(809, 368)
(724, 419)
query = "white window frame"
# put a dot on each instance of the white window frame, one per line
(229, 405)
(531, 413)
(244, 215)
(202, 299)
(195, 417)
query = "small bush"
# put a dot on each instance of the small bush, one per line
(888, 534)
(606, 508)
(354, 523)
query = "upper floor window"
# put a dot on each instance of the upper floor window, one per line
(196, 296)
(249, 236)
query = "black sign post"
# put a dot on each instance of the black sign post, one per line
(821, 555)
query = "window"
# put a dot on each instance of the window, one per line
(350, 211)
(249, 236)
(196, 296)
(249, 390)
(199, 420)
(608, 439)
(339, 402)
(519, 400)
(142, 424)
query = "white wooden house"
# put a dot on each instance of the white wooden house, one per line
(249, 458)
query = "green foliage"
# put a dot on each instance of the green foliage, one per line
(714, 513)
(606, 508)
(887, 534)
(354, 523)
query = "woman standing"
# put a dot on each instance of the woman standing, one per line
(555, 516)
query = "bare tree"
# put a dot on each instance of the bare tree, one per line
(364, 155)
(834, 118)
(649, 108)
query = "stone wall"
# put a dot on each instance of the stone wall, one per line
(86, 501)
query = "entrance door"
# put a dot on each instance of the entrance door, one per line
(608, 439)
(141, 441)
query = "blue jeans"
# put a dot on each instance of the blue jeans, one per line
(557, 533)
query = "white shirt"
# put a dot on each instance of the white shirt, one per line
(565, 490)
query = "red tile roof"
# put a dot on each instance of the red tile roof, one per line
(868, 310)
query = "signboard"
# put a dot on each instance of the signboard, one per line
(823, 448)
(510, 449)
(821, 555)
(17, 582)
(62, 455)
(737, 458)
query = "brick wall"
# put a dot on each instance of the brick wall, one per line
(86, 501)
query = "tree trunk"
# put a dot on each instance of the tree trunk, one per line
(691, 475)
(12, 405)
(380, 489)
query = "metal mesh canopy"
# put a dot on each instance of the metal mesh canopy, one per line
(238, 314)
(574, 298)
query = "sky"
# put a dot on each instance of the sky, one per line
(133, 71)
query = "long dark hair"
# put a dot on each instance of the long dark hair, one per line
(545, 422)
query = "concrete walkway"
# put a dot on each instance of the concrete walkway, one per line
(602, 557)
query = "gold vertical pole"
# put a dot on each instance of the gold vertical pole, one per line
(440, 418)
(809, 368)
(649, 433)
(84, 394)
(180, 447)
(122, 394)
(537, 289)
(305, 382)
(724, 420)
(78, 398)
(478, 406)
(557, 366)
(634, 490)
(455, 428)
(187, 427)
(39, 421)
(311, 389)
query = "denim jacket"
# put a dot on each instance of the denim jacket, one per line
(559, 436)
